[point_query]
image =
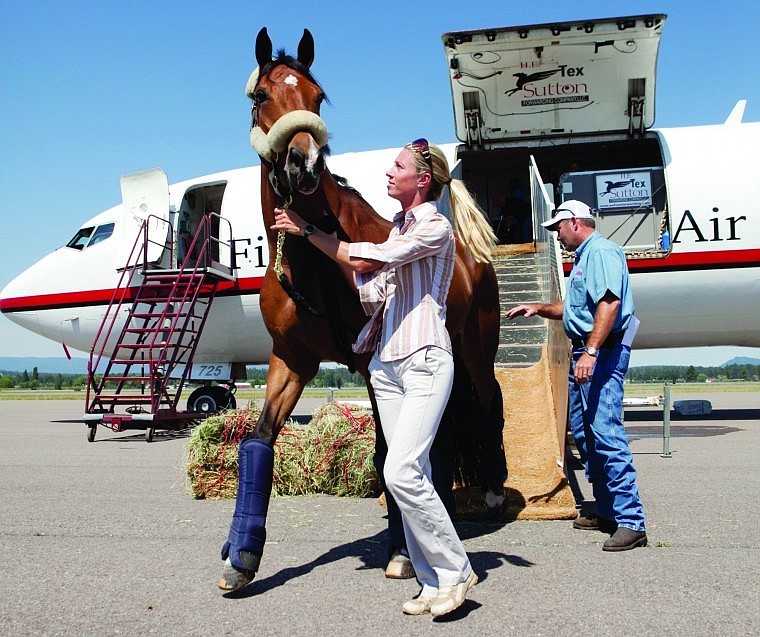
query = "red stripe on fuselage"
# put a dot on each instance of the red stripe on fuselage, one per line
(37, 302)
(674, 262)
(688, 261)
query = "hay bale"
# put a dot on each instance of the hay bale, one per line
(331, 455)
(211, 453)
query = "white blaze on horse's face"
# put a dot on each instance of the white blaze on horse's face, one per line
(291, 80)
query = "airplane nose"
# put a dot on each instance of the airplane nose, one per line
(12, 295)
(15, 301)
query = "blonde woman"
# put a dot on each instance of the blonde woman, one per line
(403, 284)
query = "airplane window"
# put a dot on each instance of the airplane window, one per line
(79, 240)
(101, 233)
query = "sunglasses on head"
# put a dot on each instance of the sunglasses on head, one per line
(422, 146)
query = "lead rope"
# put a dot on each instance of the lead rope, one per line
(283, 278)
(278, 270)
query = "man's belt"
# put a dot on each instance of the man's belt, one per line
(612, 340)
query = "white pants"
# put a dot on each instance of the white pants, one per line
(411, 396)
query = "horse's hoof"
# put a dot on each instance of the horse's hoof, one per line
(496, 504)
(400, 567)
(233, 579)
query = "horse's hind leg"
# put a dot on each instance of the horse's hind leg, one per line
(245, 543)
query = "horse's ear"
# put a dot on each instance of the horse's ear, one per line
(306, 49)
(263, 48)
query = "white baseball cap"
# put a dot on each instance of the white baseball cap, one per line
(567, 210)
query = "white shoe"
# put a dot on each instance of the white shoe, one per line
(452, 597)
(418, 606)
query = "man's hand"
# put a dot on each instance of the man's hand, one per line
(584, 368)
(522, 310)
(546, 310)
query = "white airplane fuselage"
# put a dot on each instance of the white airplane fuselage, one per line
(705, 292)
(585, 92)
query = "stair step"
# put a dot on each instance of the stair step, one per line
(154, 330)
(519, 354)
(160, 314)
(523, 336)
(164, 300)
(142, 399)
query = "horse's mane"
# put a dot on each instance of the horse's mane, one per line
(344, 185)
(292, 63)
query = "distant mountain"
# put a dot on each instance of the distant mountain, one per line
(51, 365)
(742, 360)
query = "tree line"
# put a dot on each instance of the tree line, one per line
(339, 377)
(692, 374)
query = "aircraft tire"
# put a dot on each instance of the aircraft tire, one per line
(209, 400)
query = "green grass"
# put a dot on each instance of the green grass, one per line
(359, 393)
(356, 393)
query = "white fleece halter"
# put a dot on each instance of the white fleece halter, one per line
(267, 145)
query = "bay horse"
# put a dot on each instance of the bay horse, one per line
(313, 314)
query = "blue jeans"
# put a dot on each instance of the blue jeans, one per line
(595, 412)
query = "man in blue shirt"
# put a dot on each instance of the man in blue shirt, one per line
(598, 317)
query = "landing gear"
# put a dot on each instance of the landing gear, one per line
(210, 399)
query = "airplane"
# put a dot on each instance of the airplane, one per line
(685, 207)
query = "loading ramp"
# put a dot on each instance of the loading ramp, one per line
(531, 368)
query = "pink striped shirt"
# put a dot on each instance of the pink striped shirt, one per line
(406, 298)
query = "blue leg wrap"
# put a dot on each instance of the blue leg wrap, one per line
(248, 529)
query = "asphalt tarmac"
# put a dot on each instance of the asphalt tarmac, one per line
(102, 538)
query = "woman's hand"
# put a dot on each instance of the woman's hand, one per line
(289, 221)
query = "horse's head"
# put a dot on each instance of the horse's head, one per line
(287, 131)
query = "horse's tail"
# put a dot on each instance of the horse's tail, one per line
(470, 223)
(476, 434)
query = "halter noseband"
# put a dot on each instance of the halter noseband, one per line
(270, 145)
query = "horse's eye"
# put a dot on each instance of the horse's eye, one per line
(259, 97)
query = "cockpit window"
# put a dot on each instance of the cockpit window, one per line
(101, 233)
(79, 241)
(86, 237)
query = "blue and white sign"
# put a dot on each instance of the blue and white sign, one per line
(623, 190)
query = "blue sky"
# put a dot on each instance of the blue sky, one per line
(93, 90)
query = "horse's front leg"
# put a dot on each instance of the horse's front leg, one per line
(245, 543)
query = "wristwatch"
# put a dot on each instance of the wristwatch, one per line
(591, 351)
(309, 230)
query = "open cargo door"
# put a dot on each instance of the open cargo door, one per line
(144, 195)
(554, 80)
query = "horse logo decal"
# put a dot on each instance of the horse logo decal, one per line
(524, 78)
(614, 185)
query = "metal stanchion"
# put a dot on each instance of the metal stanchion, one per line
(330, 395)
(666, 422)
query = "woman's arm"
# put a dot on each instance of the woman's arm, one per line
(329, 244)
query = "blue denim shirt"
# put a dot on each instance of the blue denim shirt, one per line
(599, 266)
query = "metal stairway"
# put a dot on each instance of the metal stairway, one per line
(166, 310)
